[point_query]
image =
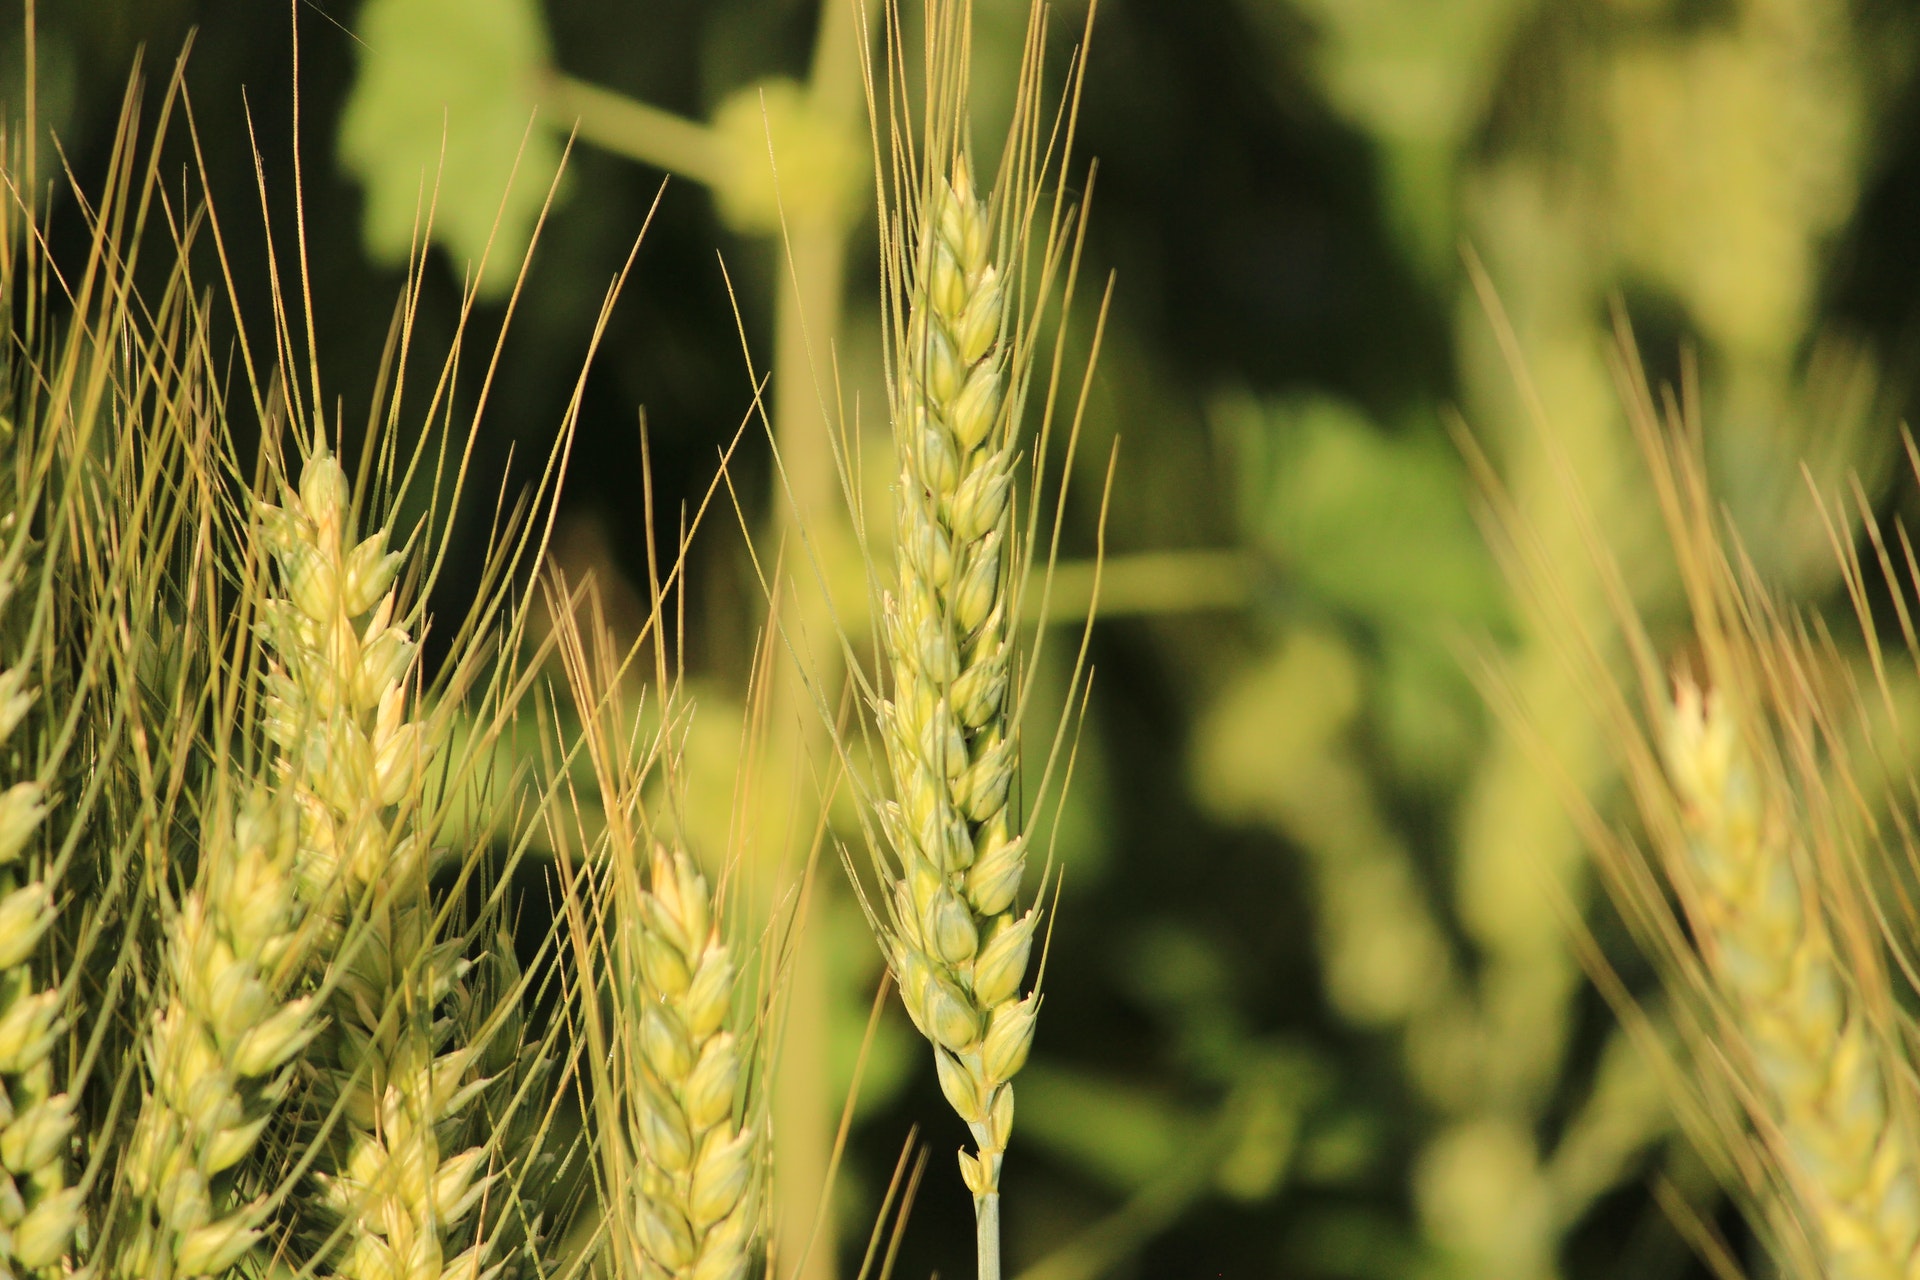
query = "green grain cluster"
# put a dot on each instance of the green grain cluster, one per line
(339, 693)
(342, 712)
(672, 1035)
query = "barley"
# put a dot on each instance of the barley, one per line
(957, 949)
(1847, 1155)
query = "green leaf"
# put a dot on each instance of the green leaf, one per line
(1122, 1134)
(442, 107)
(1374, 525)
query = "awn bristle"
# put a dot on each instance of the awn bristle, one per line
(341, 694)
(38, 1211)
(698, 1188)
(958, 951)
(1847, 1155)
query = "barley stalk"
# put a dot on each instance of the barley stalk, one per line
(957, 949)
(1847, 1155)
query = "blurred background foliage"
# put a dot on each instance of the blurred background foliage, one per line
(1314, 1008)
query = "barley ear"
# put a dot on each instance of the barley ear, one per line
(1847, 1156)
(957, 948)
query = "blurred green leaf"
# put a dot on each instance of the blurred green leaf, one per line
(1263, 1118)
(1359, 1243)
(1373, 525)
(1428, 711)
(1416, 76)
(1122, 1134)
(439, 114)
(853, 964)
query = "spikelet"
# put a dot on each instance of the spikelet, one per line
(218, 1049)
(38, 1211)
(1848, 1156)
(340, 710)
(698, 1189)
(957, 949)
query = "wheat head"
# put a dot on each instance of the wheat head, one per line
(218, 1048)
(1757, 885)
(1847, 1155)
(38, 1211)
(957, 949)
(338, 690)
(340, 709)
(674, 1072)
(698, 1185)
(244, 936)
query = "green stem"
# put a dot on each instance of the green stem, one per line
(986, 1218)
(635, 130)
(1143, 582)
